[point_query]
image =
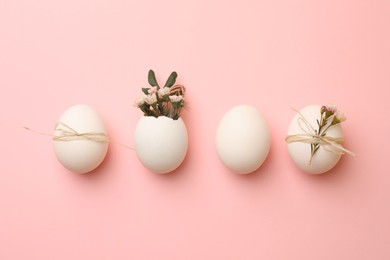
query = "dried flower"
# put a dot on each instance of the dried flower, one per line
(139, 101)
(152, 90)
(162, 92)
(332, 109)
(175, 99)
(338, 118)
(329, 117)
(162, 101)
(151, 99)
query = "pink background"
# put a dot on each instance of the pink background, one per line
(275, 55)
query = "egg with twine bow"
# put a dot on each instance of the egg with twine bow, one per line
(315, 138)
(80, 139)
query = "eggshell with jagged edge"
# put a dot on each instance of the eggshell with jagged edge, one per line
(161, 143)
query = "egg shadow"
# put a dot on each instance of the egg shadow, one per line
(338, 175)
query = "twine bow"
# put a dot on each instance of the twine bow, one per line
(318, 138)
(69, 134)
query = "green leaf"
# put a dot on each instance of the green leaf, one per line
(152, 79)
(145, 90)
(171, 80)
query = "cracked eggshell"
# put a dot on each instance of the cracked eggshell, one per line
(161, 143)
(243, 139)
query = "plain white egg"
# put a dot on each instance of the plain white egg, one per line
(243, 139)
(80, 156)
(323, 159)
(161, 143)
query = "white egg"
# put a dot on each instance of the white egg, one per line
(243, 139)
(300, 153)
(81, 151)
(161, 143)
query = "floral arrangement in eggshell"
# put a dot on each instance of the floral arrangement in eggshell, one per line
(159, 101)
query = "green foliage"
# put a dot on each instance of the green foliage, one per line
(171, 80)
(152, 79)
(167, 101)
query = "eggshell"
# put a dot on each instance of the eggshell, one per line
(243, 139)
(161, 143)
(323, 160)
(81, 156)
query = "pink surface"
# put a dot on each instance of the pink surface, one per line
(275, 55)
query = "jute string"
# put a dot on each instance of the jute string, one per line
(66, 133)
(311, 136)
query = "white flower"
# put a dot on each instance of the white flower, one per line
(332, 108)
(152, 90)
(151, 99)
(139, 101)
(176, 99)
(340, 116)
(163, 91)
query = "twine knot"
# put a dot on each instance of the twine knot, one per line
(317, 138)
(69, 134)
